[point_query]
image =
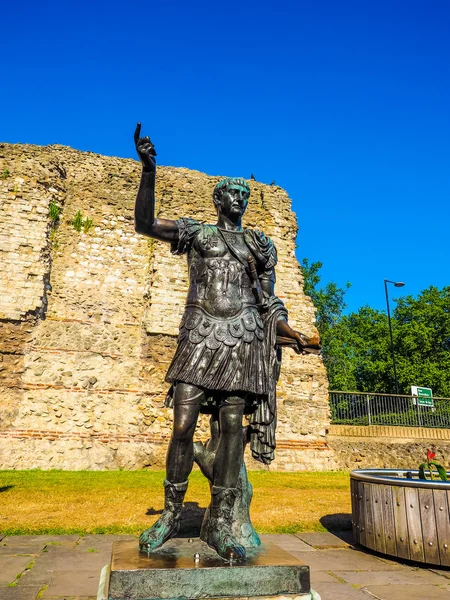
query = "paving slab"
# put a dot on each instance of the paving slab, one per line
(60, 540)
(319, 576)
(11, 567)
(37, 575)
(102, 542)
(345, 560)
(63, 558)
(70, 583)
(16, 593)
(12, 549)
(405, 576)
(405, 592)
(287, 542)
(444, 572)
(323, 540)
(344, 591)
(346, 536)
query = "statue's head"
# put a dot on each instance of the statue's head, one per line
(231, 196)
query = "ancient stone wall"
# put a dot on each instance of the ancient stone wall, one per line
(386, 447)
(89, 318)
(385, 453)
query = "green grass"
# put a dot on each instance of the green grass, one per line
(81, 502)
(19, 575)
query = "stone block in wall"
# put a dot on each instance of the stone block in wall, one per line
(91, 316)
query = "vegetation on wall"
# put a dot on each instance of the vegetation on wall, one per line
(54, 210)
(79, 222)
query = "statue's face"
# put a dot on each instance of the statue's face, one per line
(233, 202)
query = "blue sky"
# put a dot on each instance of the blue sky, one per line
(344, 103)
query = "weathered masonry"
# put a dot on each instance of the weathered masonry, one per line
(82, 304)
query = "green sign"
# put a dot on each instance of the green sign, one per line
(423, 396)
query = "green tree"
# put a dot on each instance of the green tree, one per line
(329, 301)
(422, 340)
(356, 347)
(330, 304)
(421, 333)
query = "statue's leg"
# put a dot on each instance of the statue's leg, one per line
(241, 525)
(226, 469)
(230, 450)
(180, 458)
(180, 454)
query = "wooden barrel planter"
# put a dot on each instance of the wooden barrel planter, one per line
(407, 518)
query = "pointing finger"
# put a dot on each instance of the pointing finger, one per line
(137, 133)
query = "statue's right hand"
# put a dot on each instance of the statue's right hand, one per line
(145, 150)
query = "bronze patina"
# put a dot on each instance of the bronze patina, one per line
(227, 361)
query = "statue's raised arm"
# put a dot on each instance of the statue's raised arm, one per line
(145, 222)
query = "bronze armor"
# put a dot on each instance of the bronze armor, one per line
(218, 282)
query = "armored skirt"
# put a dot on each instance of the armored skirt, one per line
(221, 354)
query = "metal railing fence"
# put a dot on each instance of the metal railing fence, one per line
(362, 408)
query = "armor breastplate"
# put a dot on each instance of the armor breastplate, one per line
(218, 281)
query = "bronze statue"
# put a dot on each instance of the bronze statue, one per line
(228, 357)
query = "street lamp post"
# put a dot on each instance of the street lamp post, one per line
(396, 284)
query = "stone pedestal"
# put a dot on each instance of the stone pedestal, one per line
(189, 569)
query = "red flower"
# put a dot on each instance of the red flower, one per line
(430, 455)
